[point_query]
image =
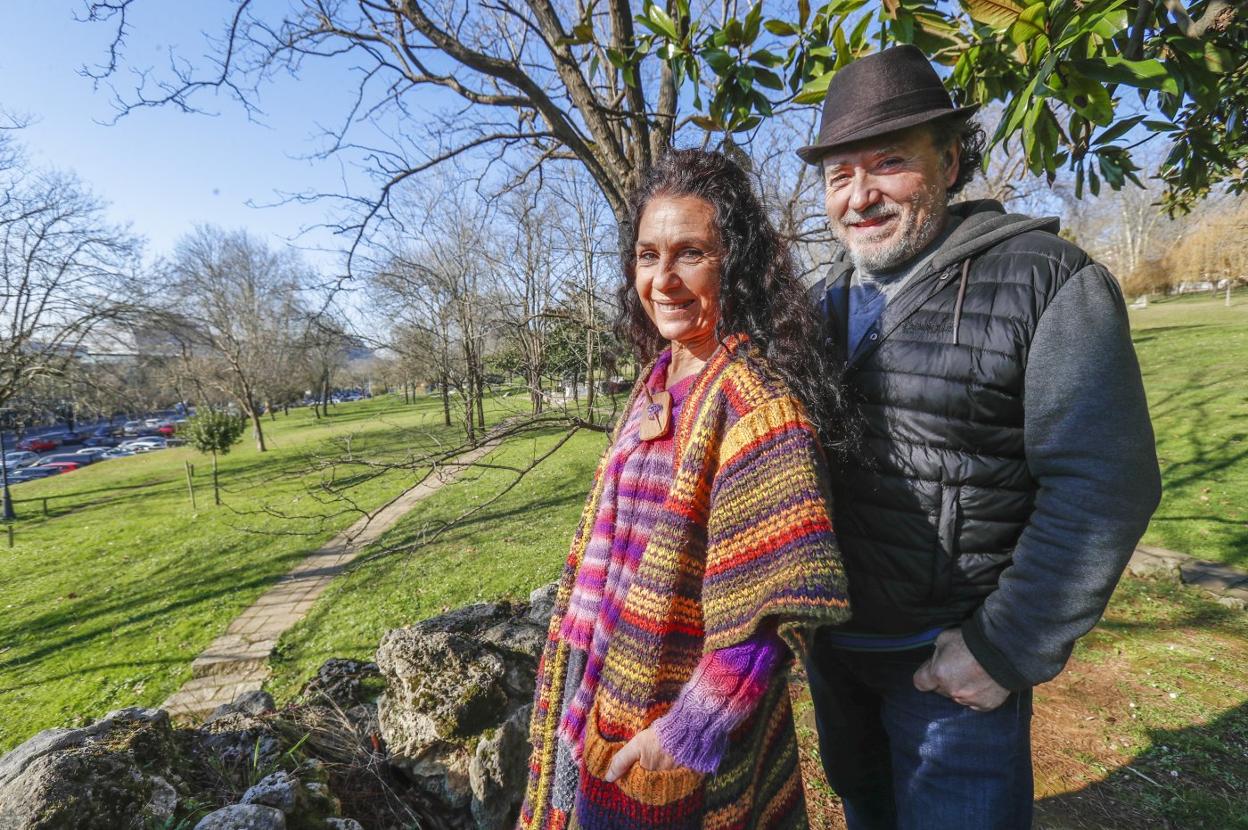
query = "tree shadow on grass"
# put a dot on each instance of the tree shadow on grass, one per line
(1191, 777)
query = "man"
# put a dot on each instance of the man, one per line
(1007, 467)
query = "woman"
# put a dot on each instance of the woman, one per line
(705, 550)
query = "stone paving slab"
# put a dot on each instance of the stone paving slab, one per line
(1228, 584)
(237, 662)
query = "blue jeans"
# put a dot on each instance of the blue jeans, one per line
(902, 759)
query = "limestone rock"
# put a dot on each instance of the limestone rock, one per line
(498, 771)
(243, 817)
(279, 791)
(249, 703)
(343, 824)
(440, 686)
(340, 681)
(109, 775)
(542, 604)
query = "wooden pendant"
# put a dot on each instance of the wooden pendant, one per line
(658, 418)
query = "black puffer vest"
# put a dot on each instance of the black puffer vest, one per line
(930, 508)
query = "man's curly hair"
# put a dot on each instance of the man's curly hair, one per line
(971, 140)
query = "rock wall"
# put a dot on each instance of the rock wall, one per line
(444, 746)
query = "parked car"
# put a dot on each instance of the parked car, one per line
(166, 429)
(65, 458)
(32, 473)
(92, 453)
(116, 452)
(131, 427)
(37, 443)
(59, 466)
(104, 437)
(150, 442)
(151, 423)
(20, 458)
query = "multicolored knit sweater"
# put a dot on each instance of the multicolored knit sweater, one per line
(743, 542)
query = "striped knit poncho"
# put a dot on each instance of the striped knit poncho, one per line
(743, 541)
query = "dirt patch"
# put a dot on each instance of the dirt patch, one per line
(1075, 747)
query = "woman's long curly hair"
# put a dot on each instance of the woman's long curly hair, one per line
(760, 293)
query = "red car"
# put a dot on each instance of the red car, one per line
(63, 466)
(166, 429)
(37, 443)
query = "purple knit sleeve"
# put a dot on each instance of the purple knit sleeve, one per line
(722, 692)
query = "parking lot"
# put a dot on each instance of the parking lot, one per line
(56, 451)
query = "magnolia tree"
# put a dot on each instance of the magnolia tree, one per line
(609, 84)
(215, 432)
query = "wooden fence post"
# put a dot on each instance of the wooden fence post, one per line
(190, 485)
(10, 529)
(45, 507)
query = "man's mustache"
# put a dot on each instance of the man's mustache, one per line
(877, 211)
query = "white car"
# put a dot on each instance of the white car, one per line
(149, 442)
(20, 458)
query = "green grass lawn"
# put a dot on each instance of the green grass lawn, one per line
(105, 602)
(1194, 355)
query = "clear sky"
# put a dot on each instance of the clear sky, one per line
(161, 170)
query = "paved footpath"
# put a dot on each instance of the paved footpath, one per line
(238, 661)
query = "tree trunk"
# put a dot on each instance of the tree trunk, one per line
(257, 427)
(481, 401)
(446, 399)
(589, 374)
(216, 491)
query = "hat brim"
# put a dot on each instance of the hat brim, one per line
(814, 153)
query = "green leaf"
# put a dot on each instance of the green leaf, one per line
(1146, 74)
(1029, 24)
(997, 14)
(1218, 60)
(1118, 130)
(718, 60)
(707, 123)
(753, 21)
(781, 28)
(766, 58)
(814, 91)
(662, 21)
(767, 78)
(748, 124)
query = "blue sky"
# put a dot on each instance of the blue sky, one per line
(162, 170)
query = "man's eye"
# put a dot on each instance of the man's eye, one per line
(892, 161)
(837, 181)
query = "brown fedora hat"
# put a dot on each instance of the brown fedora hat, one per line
(878, 94)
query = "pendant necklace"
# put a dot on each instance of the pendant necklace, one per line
(658, 417)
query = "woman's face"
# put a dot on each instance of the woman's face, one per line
(677, 273)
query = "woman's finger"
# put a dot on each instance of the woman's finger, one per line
(625, 758)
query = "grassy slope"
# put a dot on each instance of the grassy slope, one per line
(105, 603)
(1194, 354)
(506, 550)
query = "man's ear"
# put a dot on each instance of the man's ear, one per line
(952, 156)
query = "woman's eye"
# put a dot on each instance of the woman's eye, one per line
(646, 256)
(691, 253)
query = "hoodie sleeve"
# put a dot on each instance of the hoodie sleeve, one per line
(1089, 445)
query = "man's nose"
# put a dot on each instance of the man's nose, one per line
(862, 192)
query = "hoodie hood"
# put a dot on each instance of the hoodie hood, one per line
(982, 224)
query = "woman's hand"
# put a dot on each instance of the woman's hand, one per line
(644, 747)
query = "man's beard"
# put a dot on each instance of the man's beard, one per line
(906, 241)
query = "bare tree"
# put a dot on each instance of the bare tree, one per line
(235, 305)
(64, 271)
(540, 80)
(523, 263)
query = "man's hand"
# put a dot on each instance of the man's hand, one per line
(644, 747)
(954, 672)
